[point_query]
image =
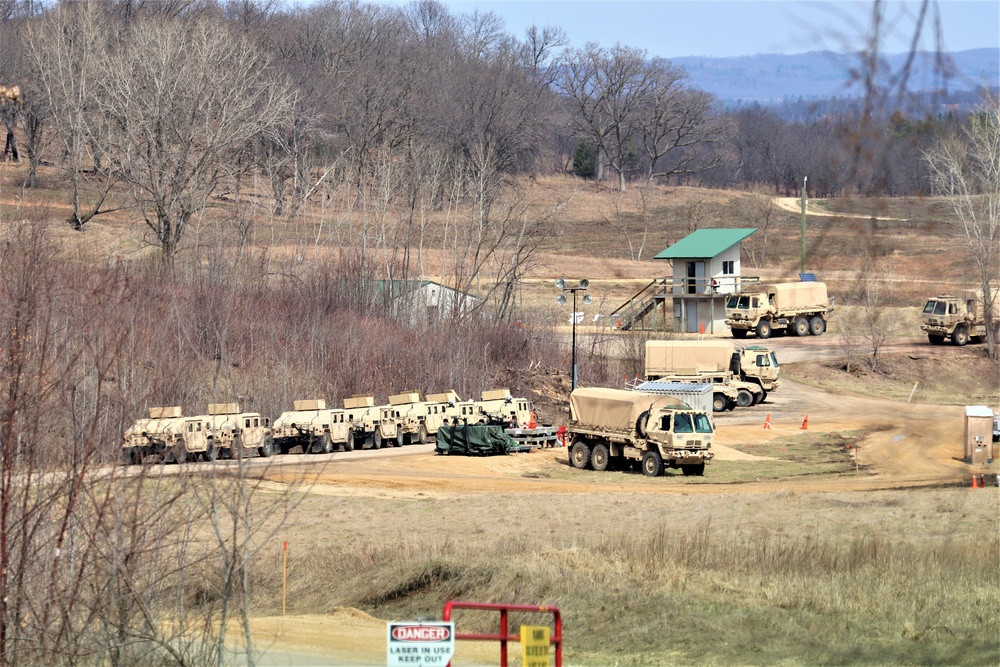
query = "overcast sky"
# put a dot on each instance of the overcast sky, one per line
(675, 28)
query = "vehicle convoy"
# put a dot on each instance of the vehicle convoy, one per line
(798, 308)
(371, 424)
(313, 427)
(959, 318)
(612, 427)
(419, 419)
(235, 433)
(740, 377)
(167, 435)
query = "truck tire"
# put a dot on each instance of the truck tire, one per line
(763, 329)
(694, 469)
(652, 464)
(399, 438)
(740, 333)
(817, 325)
(212, 453)
(267, 449)
(422, 435)
(744, 398)
(180, 455)
(719, 402)
(801, 326)
(960, 336)
(377, 440)
(349, 443)
(579, 455)
(599, 458)
(641, 423)
(763, 396)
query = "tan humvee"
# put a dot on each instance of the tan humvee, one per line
(314, 427)
(418, 418)
(236, 433)
(167, 434)
(374, 425)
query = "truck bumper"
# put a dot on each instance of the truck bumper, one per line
(687, 457)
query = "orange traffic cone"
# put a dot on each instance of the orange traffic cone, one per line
(767, 421)
(975, 482)
(805, 424)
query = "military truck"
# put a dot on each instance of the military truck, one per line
(313, 427)
(798, 308)
(517, 416)
(236, 433)
(741, 376)
(167, 435)
(609, 428)
(418, 418)
(458, 411)
(959, 318)
(374, 425)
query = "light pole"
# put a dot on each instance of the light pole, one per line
(581, 286)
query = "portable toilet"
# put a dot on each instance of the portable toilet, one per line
(978, 434)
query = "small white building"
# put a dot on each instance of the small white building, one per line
(425, 301)
(706, 270)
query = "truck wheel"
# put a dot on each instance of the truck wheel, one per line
(422, 435)
(960, 336)
(719, 403)
(377, 440)
(744, 398)
(763, 329)
(325, 444)
(641, 423)
(599, 458)
(817, 326)
(267, 449)
(695, 469)
(579, 455)
(801, 326)
(740, 333)
(399, 438)
(211, 454)
(763, 396)
(349, 443)
(180, 454)
(652, 464)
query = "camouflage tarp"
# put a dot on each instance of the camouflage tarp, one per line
(473, 440)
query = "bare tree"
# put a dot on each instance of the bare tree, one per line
(758, 211)
(184, 99)
(966, 170)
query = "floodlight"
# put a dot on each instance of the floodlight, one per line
(560, 283)
(584, 283)
(561, 299)
(587, 299)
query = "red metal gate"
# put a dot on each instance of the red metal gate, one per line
(503, 635)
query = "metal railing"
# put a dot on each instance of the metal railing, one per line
(504, 636)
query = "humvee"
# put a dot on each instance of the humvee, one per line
(167, 434)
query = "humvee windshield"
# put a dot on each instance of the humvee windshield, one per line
(935, 308)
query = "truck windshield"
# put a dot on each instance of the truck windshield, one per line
(736, 301)
(935, 307)
(702, 424)
(774, 360)
(682, 424)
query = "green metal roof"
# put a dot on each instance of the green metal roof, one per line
(705, 243)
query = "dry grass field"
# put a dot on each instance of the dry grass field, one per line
(854, 541)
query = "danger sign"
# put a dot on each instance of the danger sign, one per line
(419, 643)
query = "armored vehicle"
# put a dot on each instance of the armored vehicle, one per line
(959, 318)
(313, 427)
(610, 428)
(419, 419)
(236, 433)
(517, 415)
(167, 435)
(371, 424)
(798, 308)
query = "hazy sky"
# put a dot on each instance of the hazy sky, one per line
(675, 28)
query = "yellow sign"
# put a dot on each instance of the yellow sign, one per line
(535, 646)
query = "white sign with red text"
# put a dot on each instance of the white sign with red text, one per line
(419, 643)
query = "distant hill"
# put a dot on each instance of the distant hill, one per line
(774, 79)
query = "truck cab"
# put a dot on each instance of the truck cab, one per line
(957, 318)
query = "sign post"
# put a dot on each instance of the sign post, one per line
(419, 643)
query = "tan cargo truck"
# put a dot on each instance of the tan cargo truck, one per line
(374, 425)
(517, 416)
(958, 318)
(313, 427)
(167, 435)
(798, 308)
(236, 433)
(610, 428)
(419, 419)
(741, 376)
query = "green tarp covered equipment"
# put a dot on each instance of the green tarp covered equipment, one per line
(474, 440)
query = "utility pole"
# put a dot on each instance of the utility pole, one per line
(802, 266)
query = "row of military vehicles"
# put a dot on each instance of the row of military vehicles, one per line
(312, 427)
